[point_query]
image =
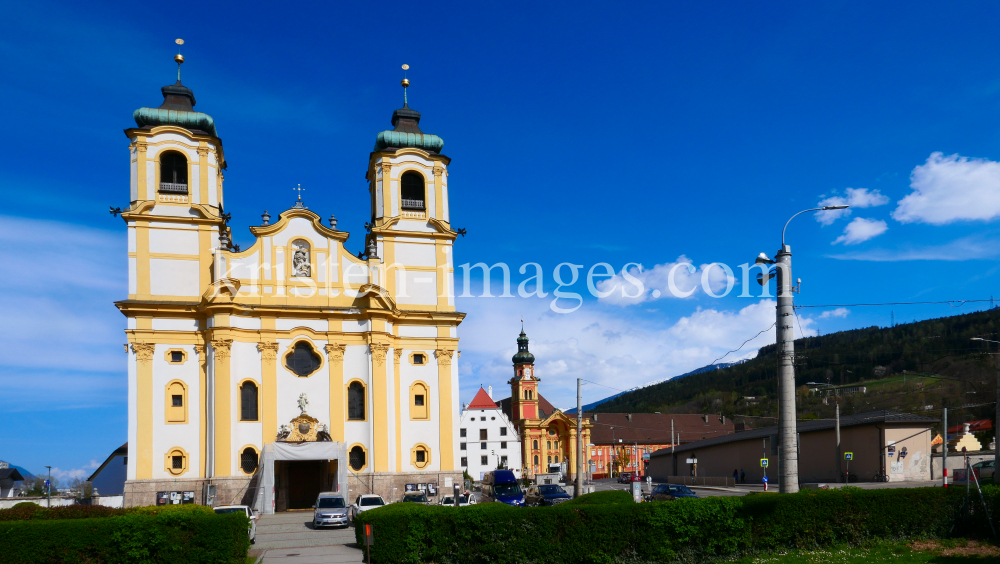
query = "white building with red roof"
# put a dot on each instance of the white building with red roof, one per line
(487, 439)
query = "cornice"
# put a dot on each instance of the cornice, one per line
(287, 215)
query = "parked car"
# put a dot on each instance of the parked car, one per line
(635, 477)
(252, 530)
(502, 486)
(416, 497)
(624, 477)
(330, 509)
(545, 495)
(984, 470)
(364, 503)
(666, 492)
(463, 501)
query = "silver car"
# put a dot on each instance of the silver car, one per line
(330, 510)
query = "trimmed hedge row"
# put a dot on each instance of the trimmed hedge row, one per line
(187, 533)
(602, 529)
(27, 511)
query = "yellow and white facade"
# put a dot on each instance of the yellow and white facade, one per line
(217, 337)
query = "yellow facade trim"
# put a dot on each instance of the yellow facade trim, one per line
(418, 449)
(444, 409)
(144, 409)
(175, 414)
(239, 454)
(367, 458)
(335, 354)
(168, 461)
(199, 349)
(424, 359)
(419, 391)
(269, 389)
(380, 406)
(168, 356)
(291, 349)
(223, 407)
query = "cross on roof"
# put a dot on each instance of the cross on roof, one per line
(298, 202)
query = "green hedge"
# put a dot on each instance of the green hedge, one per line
(143, 535)
(599, 528)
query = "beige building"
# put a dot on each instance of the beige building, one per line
(897, 444)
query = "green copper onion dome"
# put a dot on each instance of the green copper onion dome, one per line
(406, 133)
(522, 356)
(177, 109)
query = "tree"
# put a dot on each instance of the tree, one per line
(36, 487)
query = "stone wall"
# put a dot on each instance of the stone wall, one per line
(391, 485)
(229, 490)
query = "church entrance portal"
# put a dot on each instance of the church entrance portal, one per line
(298, 482)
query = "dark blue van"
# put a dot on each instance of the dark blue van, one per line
(501, 486)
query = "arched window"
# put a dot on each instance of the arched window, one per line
(550, 460)
(248, 460)
(420, 456)
(356, 401)
(412, 190)
(301, 265)
(303, 360)
(248, 401)
(173, 172)
(531, 395)
(534, 444)
(419, 401)
(176, 402)
(176, 461)
(357, 458)
(536, 460)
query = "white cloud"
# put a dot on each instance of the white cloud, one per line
(860, 230)
(656, 282)
(949, 189)
(62, 346)
(603, 344)
(975, 247)
(855, 197)
(839, 312)
(81, 473)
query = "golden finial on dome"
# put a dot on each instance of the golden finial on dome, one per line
(178, 57)
(405, 82)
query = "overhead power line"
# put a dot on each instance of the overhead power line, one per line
(952, 303)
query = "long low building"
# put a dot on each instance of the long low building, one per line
(898, 444)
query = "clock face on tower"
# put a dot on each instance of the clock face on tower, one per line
(527, 372)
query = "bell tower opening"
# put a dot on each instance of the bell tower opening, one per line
(412, 191)
(173, 172)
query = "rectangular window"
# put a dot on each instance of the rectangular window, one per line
(420, 456)
(503, 444)
(482, 460)
(177, 462)
(462, 446)
(461, 432)
(465, 462)
(503, 431)
(418, 400)
(482, 434)
(482, 446)
(418, 359)
(177, 401)
(176, 356)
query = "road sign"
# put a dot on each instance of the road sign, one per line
(645, 456)
(765, 479)
(848, 456)
(763, 463)
(46, 483)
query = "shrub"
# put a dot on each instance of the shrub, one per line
(607, 527)
(144, 535)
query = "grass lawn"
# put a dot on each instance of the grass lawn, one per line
(918, 552)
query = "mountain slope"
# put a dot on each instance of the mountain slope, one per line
(956, 371)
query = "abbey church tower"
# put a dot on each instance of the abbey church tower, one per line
(291, 361)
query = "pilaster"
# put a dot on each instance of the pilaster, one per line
(446, 446)
(144, 403)
(335, 354)
(269, 397)
(380, 407)
(202, 408)
(223, 408)
(398, 352)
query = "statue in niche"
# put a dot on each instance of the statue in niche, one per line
(300, 259)
(303, 403)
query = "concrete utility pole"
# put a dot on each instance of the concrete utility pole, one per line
(788, 460)
(578, 490)
(839, 455)
(944, 451)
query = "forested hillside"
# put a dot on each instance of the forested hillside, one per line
(914, 367)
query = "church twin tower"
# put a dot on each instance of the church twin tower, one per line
(324, 368)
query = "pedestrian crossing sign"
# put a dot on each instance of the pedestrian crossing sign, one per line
(848, 456)
(763, 463)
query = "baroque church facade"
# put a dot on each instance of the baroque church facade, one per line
(267, 374)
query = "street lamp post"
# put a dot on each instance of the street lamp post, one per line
(48, 488)
(788, 458)
(996, 423)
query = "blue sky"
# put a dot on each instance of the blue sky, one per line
(580, 132)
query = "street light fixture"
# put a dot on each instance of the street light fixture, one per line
(996, 423)
(48, 488)
(788, 457)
